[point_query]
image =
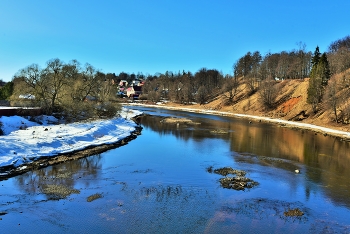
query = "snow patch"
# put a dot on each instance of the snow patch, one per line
(26, 139)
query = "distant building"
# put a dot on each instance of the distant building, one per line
(26, 96)
(134, 91)
(123, 83)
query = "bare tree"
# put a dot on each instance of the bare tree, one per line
(36, 85)
(201, 95)
(153, 96)
(230, 88)
(268, 92)
(86, 85)
(64, 88)
(332, 99)
(56, 80)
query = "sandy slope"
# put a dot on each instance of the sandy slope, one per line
(290, 103)
(257, 114)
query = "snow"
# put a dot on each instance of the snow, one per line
(300, 125)
(27, 96)
(16, 107)
(25, 140)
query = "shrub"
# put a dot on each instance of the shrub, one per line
(75, 111)
(143, 97)
(268, 93)
(107, 110)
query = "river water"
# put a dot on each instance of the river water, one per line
(162, 182)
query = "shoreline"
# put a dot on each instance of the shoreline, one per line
(12, 171)
(342, 135)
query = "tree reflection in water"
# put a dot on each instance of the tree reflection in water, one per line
(62, 176)
(326, 158)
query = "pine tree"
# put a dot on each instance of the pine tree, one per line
(6, 91)
(319, 76)
(316, 58)
(323, 69)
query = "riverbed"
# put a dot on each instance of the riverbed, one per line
(162, 182)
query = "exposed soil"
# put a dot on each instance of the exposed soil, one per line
(58, 191)
(290, 104)
(229, 170)
(94, 197)
(174, 120)
(236, 182)
(287, 106)
(293, 212)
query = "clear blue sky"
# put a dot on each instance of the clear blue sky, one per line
(152, 36)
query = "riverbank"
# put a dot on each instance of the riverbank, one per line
(342, 135)
(29, 144)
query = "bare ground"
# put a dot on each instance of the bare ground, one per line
(290, 105)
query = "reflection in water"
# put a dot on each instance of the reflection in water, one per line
(326, 158)
(198, 132)
(58, 180)
(159, 183)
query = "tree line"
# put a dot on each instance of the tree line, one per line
(184, 87)
(295, 64)
(6, 90)
(70, 87)
(259, 73)
(72, 90)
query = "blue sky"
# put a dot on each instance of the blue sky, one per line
(152, 36)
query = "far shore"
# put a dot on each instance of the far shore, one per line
(343, 135)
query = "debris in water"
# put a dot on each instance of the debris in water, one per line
(293, 212)
(237, 182)
(229, 170)
(94, 197)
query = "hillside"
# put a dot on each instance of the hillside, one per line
(290, 105)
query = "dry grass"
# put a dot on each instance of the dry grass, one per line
(173, 120)
(59, 191)
(293, 213)
(94, 197)
(290, 102)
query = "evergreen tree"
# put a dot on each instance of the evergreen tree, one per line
(6, 91)
(316, 58)
(319, 76)
(323, 69)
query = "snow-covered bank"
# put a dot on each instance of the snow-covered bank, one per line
(25, 141)
(311, 127)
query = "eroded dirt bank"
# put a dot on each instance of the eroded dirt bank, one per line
(289, 105)
(325, 129)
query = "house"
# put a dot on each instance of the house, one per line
(26, 96)
(278, 79)
(123, 83)
(134, 91)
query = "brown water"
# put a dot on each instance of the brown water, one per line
(159, 183)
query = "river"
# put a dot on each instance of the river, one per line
(163, 182)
